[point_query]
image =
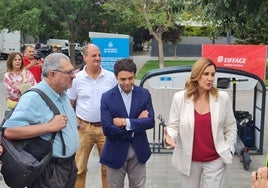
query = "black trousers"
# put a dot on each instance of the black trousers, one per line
(58, 174)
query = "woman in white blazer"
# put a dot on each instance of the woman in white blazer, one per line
(202, 128)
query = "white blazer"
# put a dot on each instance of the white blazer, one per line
(181, 128)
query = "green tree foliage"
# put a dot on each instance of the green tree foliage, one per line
(53, 18)
(173, 35)
(140, 36)
(20, 15)
(252, 23)
(247, 19)
(197, 30)
(156, 16)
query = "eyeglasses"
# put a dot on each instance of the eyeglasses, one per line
(64, 72)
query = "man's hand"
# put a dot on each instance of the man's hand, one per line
(119, 122)
(39, 62)
(259, 178)
(144, 114)
(58, 122)
(33, 62)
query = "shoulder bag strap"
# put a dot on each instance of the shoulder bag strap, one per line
(55, 111)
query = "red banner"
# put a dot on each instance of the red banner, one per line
(249, 58)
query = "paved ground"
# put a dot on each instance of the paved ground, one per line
(160, 173)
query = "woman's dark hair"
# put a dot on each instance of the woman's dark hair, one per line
(124, 65)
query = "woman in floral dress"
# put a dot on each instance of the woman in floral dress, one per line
(16, 79)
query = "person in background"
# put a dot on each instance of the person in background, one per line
(202, 128)
(259, 178)
(31, 63)
(126, 114)
(38, 52)
(16, 79)
(54, 49)
(32, 117)
(85, 95)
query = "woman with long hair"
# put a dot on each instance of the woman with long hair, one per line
(202, 128)
(16, 79)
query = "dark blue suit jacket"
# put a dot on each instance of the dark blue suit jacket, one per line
(119, 139)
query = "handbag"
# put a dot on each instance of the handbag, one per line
(24, 86)
(10, 103)
(24, 160)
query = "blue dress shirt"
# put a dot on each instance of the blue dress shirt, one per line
(32, 109)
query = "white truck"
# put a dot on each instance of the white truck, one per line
(60, 43)
(9, 42)
(63, 45)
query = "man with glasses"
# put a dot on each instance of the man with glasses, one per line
(71, 72)
(33, 117)
(85, 95)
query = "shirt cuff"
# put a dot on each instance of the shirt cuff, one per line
(128, 126)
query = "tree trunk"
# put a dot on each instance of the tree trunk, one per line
(228, 37)
(158, 36)
(175, 50)
(160, 53)
(72, 53)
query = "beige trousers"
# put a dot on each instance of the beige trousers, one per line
(89, 135)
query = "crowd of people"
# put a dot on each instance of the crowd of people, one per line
(108, 110)
(24, 70)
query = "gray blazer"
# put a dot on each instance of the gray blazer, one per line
(181, 128)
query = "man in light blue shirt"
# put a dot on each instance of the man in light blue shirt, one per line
(33, 117)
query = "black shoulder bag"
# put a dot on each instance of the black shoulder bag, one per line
(24, 160)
